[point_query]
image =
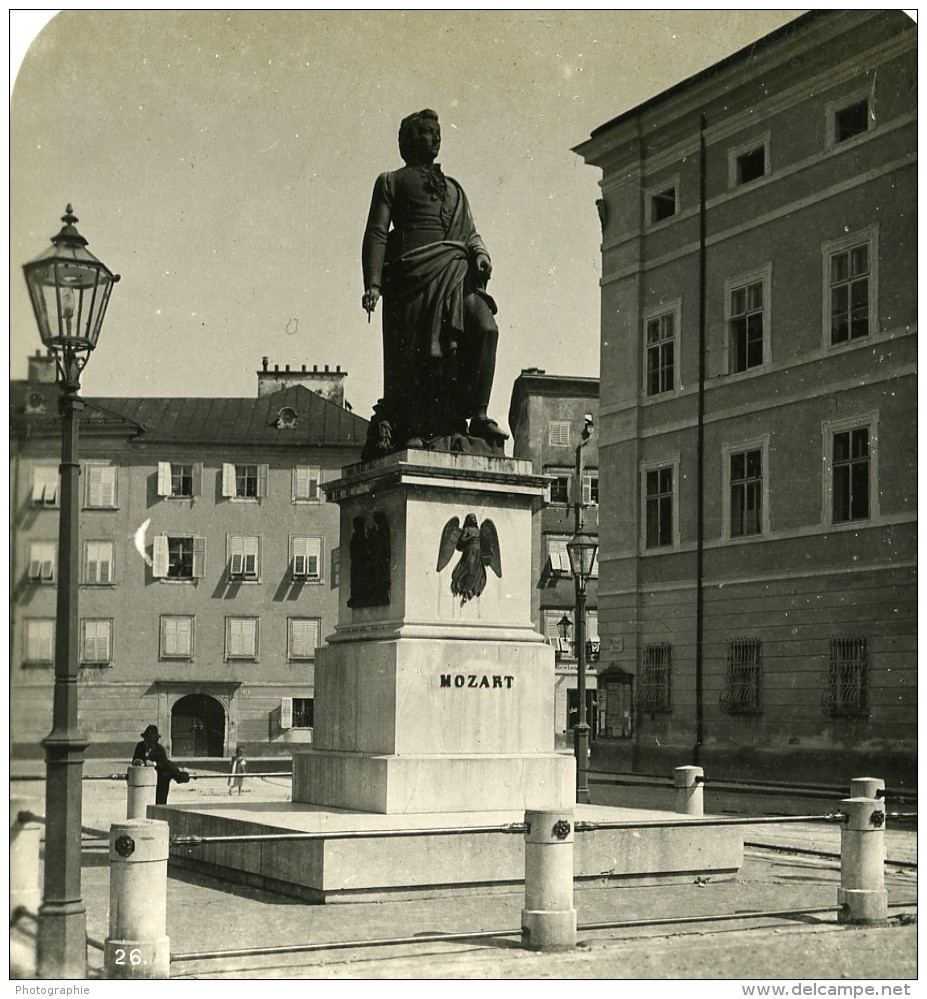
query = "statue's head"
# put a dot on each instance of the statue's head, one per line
(420, 137)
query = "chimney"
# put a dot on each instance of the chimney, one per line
(42, 368)
(328, 384)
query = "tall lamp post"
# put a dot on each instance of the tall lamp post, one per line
(582, 550)
(70, 291)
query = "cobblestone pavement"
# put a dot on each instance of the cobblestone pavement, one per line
(206, 916)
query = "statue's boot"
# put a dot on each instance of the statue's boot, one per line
(487, 429)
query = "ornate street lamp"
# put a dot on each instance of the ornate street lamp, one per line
(70, 291)
(581, 549)
(564, 627)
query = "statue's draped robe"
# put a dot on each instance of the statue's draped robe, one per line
(423, 266)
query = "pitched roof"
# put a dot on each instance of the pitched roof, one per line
(309, 419)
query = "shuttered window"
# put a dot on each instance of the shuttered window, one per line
(177, 637)
(45, 485)
(101, 486)
(98, 562)
(244, 481)
(245, 556)
(43, 561)
(176, 479)
(303, 637)
(176, 557)
(241, 638)
(40, 640)
(306, 480)
(96, 640)
(306, 558)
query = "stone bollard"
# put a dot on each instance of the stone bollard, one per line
(25, 836)
(867, 787)
(690, 794)
(137, 946)
(142, 782)
(548, 920)
(861, 897)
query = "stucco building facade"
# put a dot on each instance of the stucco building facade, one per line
(209, 561)
(757, 418)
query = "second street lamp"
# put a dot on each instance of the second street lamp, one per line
(582, 549)
(70, 290)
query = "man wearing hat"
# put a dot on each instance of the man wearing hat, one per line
(150, 751)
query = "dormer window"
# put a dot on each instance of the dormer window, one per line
(286, 419)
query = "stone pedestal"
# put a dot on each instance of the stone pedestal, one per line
(425, 702)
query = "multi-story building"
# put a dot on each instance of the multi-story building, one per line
(208, 562)
(758, 390)
(552, 419)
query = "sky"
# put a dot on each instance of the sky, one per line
(222, 163)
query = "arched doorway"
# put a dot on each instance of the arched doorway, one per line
(197, 726)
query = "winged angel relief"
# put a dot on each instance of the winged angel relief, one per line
(478, 547)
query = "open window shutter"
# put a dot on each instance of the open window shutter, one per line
(228, 480)
(286, 712)
(160, 556)
(35, 566)
(48, 569)
(164, 478)
(313, 484)
(314, 558)
(197, 478)
(199, 557)
(252, 556)
(262, 480)
(105, 564)
(301, 482)
(38, 485)
(594, 571)
(587, 490)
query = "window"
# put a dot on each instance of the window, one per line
(43, 561)
(660, 348)
(303, 637)
(663, 204)
(557, 557)
(847, 693)
(297, 712)
(745, 514)
(180, 480)
(177, 636)
(590, 489)
(748, 162)
(244, 481)
(40, 640)
(244, 557)
(558, 433)
(101, 486)
(654, 691)
(96, 641)
(306, 479)
(848, 119)
(241, 638)
(659, 495)
(179, 557)
(593, 645)
(851, 475)
(742, 685)
(560, 489)
(336, 568)
(746, 326)
(45, 485)
(851, 490)
(98, 562)
(850, 306)
(306, 559)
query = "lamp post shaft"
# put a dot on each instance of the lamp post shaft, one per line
(581, 729)
(62, 925)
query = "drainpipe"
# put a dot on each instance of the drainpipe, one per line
(700, 459)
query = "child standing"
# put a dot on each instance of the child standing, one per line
(237, 774)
